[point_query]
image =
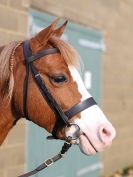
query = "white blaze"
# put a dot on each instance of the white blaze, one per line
(93, 123)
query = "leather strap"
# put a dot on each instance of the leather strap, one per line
(65, 148)
(80, 107)
(42, 54)
(42, 166)
(48, 97)
(27, 53)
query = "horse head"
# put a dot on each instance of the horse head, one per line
(59, 71)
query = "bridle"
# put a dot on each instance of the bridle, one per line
(62, 117)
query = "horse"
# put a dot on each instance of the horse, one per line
(40, 81)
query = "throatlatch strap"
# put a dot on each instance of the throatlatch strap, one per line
(27, 54)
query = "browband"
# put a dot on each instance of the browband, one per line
(42, 54)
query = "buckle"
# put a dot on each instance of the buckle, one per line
(49, 162)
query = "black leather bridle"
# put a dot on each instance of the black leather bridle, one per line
(62, 117)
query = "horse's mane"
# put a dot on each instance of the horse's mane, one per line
(6, 70)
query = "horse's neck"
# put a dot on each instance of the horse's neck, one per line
(6, 122)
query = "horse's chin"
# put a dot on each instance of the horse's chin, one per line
(85, 146)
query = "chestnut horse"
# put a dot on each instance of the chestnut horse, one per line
(59, 70)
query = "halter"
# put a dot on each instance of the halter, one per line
(62, 117)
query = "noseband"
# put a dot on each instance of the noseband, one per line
(62, 117)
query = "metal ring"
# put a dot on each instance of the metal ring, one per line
(77, 132)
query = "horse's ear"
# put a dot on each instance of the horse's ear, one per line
(43, 36)
(59, 31)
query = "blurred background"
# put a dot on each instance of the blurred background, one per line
(101, 31)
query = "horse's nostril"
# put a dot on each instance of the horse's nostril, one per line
(107, 133)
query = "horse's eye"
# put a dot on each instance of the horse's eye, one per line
(59, 79)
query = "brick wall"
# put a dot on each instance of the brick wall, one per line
(114, 19)
(13, 26)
